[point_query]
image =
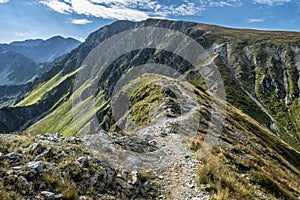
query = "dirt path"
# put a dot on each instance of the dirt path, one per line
(171, 161)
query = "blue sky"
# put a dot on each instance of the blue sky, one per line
(22, 19)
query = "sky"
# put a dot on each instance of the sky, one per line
(31, 19)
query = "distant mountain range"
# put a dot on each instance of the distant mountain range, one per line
(21, 61)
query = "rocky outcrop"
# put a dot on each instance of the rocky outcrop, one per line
(50, 166)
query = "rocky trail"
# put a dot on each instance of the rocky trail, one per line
(160, 149)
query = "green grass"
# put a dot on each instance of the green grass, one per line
(62, 118)
(42, 89)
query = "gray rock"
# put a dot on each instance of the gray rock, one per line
(48, 195)
(37, 147)
(109, 175)
(73, 140)
(38, 166)
(134, 177)
(14, 156)
(94, 179)
(44, 154)
(17, 167)
(31, 174)
(83, 161)
(53, 138)
(58, 196)
(123, 183)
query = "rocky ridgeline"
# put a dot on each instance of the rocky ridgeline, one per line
(52, 167)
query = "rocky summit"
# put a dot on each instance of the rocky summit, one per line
(158, 109)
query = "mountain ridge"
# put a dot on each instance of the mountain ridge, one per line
(31, 58)
(254, 156)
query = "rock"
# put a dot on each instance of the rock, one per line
(147, 186)
(23, 181)
(48, 195)
(51, 196)
(109, 175)
(73, 140)
(161, 177)
(191, 185)
(83, 161)
(35, 147)
(164, 134)
(58, 135)
(44, 154)
(123, 184)
(38, 166)
(87, 174)
(58, 196)
(31, 174)
(94, 179)
(14, 156)
(134, 177)
(17, 167)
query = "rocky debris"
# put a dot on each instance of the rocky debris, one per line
(135, 144)
(38, 166)
(14, 156)
(50, 195)
(171, 162)
(53, 167)
(83, 161)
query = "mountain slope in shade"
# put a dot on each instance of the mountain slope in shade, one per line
(22, 61)
(17, 69)
(43, 50)
(256, 154)
(27, 43)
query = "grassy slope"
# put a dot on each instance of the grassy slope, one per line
(265, 66)
(62, 118)
(37, 93)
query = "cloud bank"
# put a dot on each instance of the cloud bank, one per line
(142, 9)
(121, 9)
(4, 1)
(272, 2)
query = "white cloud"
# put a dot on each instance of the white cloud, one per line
(272, 2)
(58, 6)
(254, 20)
(122, 9)
(26, 33)
(4, 1)
(221, 3)
(80, 21)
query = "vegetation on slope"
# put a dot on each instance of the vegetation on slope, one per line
(255, 165)
(41, 90)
